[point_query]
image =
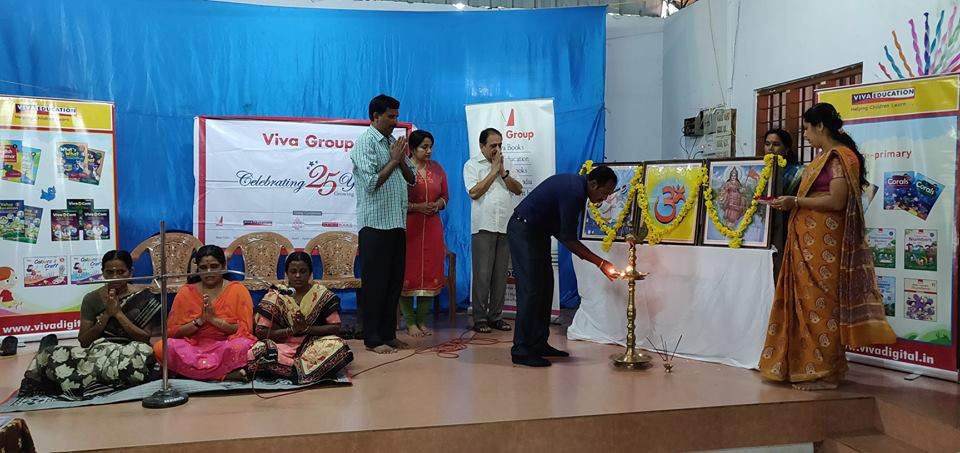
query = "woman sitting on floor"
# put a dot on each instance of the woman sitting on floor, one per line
(210, 324)
(299, 331)
(116, 321)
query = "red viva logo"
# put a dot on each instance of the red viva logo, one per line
(514, 134)
(310, 141)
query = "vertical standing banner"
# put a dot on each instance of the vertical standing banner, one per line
(907, 132)
(529, 145)
(291, 176)
(58, 210)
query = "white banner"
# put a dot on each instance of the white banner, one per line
(529, 144)
(293, 177)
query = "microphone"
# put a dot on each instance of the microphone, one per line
(283, 289)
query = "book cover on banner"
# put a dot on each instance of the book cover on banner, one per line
(85, 268)
(920, 299)
(32, 217)
(29, 165)
(883, 243)
(64, 225)
(928, 191)
(91, 166)
(96, 225)
(44, 271)
(70, 158)
(81, 205)
(888, 288)
(12, 166)
(920, 250)
(11, 219)
(899, 190)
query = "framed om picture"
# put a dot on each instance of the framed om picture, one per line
(612, 208)
(671, 201)
(733, 184)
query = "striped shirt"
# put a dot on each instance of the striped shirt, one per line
(383, 208)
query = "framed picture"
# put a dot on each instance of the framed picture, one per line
(734, 182)
(611, 207)
(669, 185)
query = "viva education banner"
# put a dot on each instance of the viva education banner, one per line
(58, 210)
(529, 145)
(291, 176)
(907, 132)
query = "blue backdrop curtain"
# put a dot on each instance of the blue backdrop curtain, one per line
(164, 62)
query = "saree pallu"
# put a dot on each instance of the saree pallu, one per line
(209, 354)
(112, 362)
(302, 359)
(77, 373)
(826, 296)
(423, 274)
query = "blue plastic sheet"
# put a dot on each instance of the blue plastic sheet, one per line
(164, 62)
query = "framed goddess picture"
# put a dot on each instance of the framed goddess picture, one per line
(672, 192)
(734, 183)
(611, 208)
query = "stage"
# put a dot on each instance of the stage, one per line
(481, 402)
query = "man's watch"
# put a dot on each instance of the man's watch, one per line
(506, 174)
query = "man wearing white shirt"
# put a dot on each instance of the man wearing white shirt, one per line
(493, 190)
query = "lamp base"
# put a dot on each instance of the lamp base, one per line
(162, 399)
(631, 360)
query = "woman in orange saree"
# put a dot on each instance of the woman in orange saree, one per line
(826, 296)
(210, 325)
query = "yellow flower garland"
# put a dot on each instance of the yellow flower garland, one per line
(736, 236)
(610, 232)
(656, 233)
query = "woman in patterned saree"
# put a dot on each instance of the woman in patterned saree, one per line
(298, 332)
(826, 296)
(423, 278)
(210, 324)
(116, 321)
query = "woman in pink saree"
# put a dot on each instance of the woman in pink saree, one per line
(210, 324)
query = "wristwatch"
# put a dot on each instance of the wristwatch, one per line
(197, 322)
(506, 174)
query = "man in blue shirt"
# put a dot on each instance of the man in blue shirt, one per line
(552, 209)
(382, 172)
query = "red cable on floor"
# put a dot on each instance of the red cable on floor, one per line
(448, 350)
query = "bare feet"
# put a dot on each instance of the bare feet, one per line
(414, 331)
(819, 384)
(236, 375)
(397, 344)
(383, 349)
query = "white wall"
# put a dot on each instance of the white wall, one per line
(693, 78)
(634, 88)
(766, 42)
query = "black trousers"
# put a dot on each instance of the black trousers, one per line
(530, 252)
(382, 262)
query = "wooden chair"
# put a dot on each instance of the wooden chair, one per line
(180, 246)
(261, 255)
(338, 252)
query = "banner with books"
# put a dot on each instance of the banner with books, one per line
(57, 210)
(907, 132)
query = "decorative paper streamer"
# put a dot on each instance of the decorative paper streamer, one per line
(893, 64)
(903, 57)
(916, 47)
(884, 69)
(926, 42)
(936, 40)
